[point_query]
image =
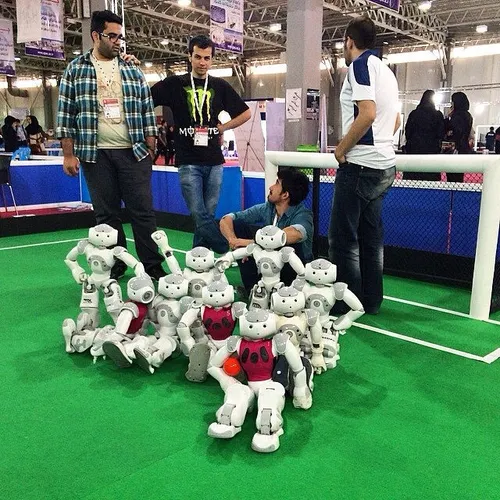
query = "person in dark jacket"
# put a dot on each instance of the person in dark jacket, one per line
(9, 134)
(458, 127)
(35, 136)
(497, 141)
(424, 133)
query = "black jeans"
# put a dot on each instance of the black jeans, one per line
(118, 176)
(356, 236)
(248, 269)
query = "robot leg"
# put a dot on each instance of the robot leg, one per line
(259, 297)
(89, 305)
(330, 346)
(199, 357)
(231, 415)
(153, 356)
(271, 401)
(117, 351)
(104, 334)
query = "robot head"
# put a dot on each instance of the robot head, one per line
(258, 324)
(218, 294)
(103, 235)
(288, 300)
(270, 238)
(200, 259)
(173, 286)
(321, 272)
(141, 289)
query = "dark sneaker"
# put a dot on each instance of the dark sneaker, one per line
(156, 272)
(118, 270)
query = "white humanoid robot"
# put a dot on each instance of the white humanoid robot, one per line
(199, 270)
(100, 258)
(258, 348)
(270, 255)
(130, 331)
(130, 323)
(217, 313)
(166, 311)
(322, 291)
(289, 304)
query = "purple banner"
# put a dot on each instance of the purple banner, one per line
(52, 49)
(389, 4)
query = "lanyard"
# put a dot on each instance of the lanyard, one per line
(199, 106)
(110, 81)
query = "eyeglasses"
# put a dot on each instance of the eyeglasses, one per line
(112, 36)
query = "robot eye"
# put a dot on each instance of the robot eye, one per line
(283, 301)
(211, 295)
(178, 288)
(314, 272)
(264, 326)
(250, 327)
(204, 260)
(295, 300)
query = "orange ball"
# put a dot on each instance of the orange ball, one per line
(232, 367)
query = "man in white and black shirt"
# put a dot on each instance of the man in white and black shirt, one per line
(369, 101)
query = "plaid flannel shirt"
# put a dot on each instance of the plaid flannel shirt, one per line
(77, 112)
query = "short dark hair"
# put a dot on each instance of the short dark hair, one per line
(362, 32)
(295, 183)
(202, 42)
(101, 17)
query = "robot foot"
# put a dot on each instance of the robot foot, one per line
(331, 363)
(222, 431)
(68, 330)
(266, 443)
(142, 358)
(199, 357)
(116, 351)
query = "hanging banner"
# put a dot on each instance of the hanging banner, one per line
(226, 24)
(390, 4)
(293, 104)
(7, 62)
(29, 24)
(52, 43)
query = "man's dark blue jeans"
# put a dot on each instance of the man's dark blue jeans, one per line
(356, 236)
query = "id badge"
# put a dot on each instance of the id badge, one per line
(201, 136)
(111, 108)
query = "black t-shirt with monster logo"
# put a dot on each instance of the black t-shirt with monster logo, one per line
(176, 92)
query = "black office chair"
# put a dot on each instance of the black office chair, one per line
(5, 180)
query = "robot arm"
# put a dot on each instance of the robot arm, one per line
(217, 362)
(77, 271)
(227, 259)
(288, 255)
(343, 293)
(129, 260)
(183, 330)
(238, 309)
(113, 299)
(302, 397)
(316, 331)
(161, 239)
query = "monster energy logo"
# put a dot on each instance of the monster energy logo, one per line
(192, 103)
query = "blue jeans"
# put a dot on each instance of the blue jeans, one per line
(356, 235)
(201, 188)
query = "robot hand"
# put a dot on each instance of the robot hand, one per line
(318, 362)
(161, 239)
(222, 264)
(342, 323)
(79, 275)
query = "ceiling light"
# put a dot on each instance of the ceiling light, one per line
(481, 28)
(184, 3)
(164, 42)
(385, 42)
(17, 58)
(275, 27)
(77, 52)
(233, 56)
(339, 45)
(148, 64)
(425, 5)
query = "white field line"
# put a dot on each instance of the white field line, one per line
(489, 358)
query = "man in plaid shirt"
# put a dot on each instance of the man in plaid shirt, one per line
(106, 124)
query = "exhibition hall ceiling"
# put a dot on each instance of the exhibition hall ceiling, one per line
(158, 30)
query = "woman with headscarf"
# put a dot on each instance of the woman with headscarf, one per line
(424, 132)
(36, 136)
(9, 134)
(458, 127)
